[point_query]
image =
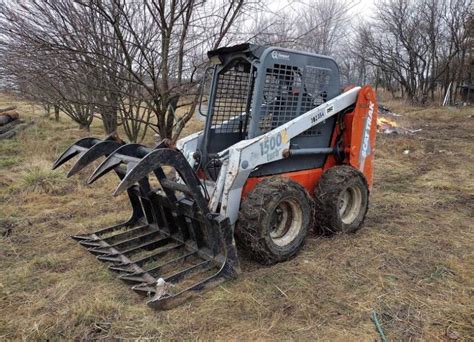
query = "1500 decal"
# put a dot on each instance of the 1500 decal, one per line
(270, 146)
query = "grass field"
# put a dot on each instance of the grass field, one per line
(412, 263)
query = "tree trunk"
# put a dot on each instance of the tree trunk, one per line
(170, 118)
(47, 107)
(85, 127)
(56, 113)
(109, 119)
(462, 70)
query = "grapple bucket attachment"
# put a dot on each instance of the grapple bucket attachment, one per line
(172, 246)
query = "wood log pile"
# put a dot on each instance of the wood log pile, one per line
(10, 122)
(8, 114)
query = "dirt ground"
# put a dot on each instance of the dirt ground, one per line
(412, 263)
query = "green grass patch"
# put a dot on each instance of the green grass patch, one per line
(42, 180)
(10, 147)
(8, 161)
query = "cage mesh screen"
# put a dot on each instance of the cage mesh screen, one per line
(232, 97)
(316, 83)
(289, 92)
(279, 96)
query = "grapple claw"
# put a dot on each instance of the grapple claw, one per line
(96, 151)
(156, 159)
(172, 237)
(139, 171)
(129, 153)
(79, 146)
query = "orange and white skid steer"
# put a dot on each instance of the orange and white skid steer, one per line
(283, 151)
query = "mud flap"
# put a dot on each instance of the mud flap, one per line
(172, 246)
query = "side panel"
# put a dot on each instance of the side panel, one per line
(363, 132)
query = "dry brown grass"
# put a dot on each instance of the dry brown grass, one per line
(412, 262)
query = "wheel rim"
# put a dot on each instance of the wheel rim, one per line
(286, 222)
(350, 203)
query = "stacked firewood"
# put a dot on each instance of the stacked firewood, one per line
(10, 122)
(8, 114)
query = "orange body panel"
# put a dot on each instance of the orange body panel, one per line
(359, 130)
(363, 132)
(307, 178)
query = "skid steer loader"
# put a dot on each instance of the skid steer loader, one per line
(283, 150)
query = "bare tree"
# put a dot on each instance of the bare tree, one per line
(414, 42)
(53, 60)
(315, 26)
(112, 56)
(37, 75)
(163, 44)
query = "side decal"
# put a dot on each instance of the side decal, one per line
(365, 150)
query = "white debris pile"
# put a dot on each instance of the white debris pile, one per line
(387, 124)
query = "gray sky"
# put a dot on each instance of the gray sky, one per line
(360, 8)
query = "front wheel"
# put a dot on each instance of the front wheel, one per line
(274, 220)
(341, 200)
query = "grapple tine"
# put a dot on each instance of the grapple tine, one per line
(132, 279)
(89, 243)
(121, 269)
(124, 154)
(147, 164)
(181, 274)
(76, 148)
(98, 150)
(107, 165)
(108, 258)
(144, 289)
(99, 250)
(81, 237)
(169, 301)
(70, 153)
(134, 175)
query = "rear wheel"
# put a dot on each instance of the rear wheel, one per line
(341, 200)
(274, 220)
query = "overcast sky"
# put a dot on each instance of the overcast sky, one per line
(360, 8)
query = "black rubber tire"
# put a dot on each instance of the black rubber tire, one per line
(257, 214)
(328, 193)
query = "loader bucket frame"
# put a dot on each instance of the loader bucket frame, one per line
(172, 245)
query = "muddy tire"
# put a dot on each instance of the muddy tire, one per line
(341, 200)
(274, 220)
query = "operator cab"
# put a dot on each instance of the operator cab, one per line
(255, 89)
